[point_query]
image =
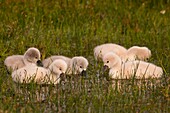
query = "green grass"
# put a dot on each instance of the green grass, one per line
(75, 27)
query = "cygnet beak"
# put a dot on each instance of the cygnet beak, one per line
(84, 73)
(105, 72)
(105, 68)
(62, 76)
(39, 63)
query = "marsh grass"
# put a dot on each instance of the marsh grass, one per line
(75, 27)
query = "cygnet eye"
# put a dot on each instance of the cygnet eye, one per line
(60, 69)
(107, 61)
(80, 66)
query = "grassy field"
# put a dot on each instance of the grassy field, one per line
(75, 27)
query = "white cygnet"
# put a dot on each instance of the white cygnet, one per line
(76, 65)
(47, 62)
(136, 52)
(101, 50)
(40, 75)
(32, 55)
(128, 69)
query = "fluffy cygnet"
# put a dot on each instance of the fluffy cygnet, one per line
(46, 62)
(128, 69)
(136, 52)
(101, 50)
(76, 65)
(40, 75)
(32, 55)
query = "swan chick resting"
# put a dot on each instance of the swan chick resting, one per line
(136, 52)
(122, 70)
(76, 65)
(40, 75)
(101, 50)
(14, 62)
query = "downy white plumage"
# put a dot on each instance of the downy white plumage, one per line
(139, 69)
(76, 65)
(136, 52)
(40, 75)
(14, 62)
(101, 50)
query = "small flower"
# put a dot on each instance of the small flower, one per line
(163, 12)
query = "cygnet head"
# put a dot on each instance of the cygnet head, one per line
(79, 65)
(58, 67)
(111, 60)
(32, 55)
(145, 53)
